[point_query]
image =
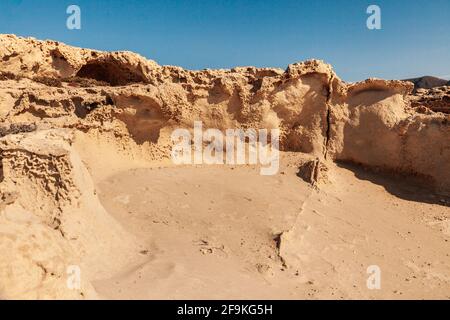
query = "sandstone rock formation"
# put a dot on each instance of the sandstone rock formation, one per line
(48, 198)
(51, 93)
(371, 122)
(436, 99)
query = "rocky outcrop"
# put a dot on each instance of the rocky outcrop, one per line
(436, 100)
(314, 172)
(51, 219)
(51, 92)
(372, 123)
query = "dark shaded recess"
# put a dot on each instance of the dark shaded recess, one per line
(6, 75)
(16, 128)
(257, 83)
(82, 109)
(109, 72)
(84, 82)
(49, 82)
(9, 56)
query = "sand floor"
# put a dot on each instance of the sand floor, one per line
(213, 232)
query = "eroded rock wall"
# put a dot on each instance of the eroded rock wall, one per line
(371, 122)
(51, 92)
(51, 219)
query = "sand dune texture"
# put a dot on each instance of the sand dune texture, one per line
(86, 179)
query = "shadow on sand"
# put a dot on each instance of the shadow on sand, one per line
(406, 187)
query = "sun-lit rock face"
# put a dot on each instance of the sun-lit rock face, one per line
(50, 93)
(369, 122)
(436, 100)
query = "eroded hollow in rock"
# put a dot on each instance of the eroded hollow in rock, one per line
(143, 117)
(109, 72)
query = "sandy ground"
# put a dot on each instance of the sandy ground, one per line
(212, 232)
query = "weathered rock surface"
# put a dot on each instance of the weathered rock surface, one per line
(50, 92)
(51, 219)
(371, 122)
(436, 99)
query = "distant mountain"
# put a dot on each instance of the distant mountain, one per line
(428, 82)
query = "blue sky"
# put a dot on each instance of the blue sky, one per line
(196, 34)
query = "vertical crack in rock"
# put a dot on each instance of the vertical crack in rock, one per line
(328, 123)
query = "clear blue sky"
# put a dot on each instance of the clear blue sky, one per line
(197, 34)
